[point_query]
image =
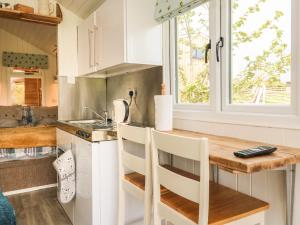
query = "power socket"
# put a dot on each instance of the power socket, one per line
(132, 92)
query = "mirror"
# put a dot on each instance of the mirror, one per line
(23, 44)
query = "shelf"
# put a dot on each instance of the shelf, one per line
(29, 17)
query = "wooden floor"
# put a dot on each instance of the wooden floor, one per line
(39, 208)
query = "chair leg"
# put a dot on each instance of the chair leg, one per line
(148, 212)
(121, 207)
(156, 218)
(262, 221)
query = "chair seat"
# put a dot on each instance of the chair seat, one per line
(225, 204)
(136, 179)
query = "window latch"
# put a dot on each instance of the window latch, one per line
(207, 48)
(220, 44)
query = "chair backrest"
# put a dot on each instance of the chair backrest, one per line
(196, 191)
(137, 135)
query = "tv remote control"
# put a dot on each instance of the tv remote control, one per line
(257, 151)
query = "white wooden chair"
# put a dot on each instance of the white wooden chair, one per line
(138, 182)
(187, 201)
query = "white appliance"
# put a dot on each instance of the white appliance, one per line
(96, 200)
(121, 110)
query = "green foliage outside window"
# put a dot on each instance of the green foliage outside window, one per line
(260, 81)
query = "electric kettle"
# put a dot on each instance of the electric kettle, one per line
(121, 111)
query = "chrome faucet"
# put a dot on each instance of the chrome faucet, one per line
(105, 118)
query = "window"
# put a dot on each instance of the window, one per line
(252, 70)
(192, 70)
(17, 91)
(26, 91)
(260, 52)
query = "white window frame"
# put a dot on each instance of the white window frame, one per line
(219, 111)
(214, 25)
(225, 68)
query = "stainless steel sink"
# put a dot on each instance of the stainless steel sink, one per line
(90, 124)
(84, 121)
(90, 130)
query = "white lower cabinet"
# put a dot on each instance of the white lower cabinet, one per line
(96, 181)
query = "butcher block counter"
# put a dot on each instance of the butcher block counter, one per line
(28, 137)
(221, 153)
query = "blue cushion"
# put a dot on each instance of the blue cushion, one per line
(7, 212)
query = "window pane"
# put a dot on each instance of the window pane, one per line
(261, 52)
(192, 71)
(17, 91)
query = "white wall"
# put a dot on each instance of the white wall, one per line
(9, 42)
(267, 185)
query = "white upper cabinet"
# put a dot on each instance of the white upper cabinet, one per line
(125, 38)
(67, 45)
(86, 46)
(110, 34)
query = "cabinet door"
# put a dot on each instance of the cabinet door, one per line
(64, 140)
(67, 44)
(86, 46)
(108, 173)
(110, 34)
(83, 201)
(144, 34)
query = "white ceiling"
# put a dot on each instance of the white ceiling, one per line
(41, 36)
(82, 8)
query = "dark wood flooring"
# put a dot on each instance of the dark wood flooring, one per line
(39, 208)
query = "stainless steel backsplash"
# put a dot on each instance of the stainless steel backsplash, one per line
(90, 92)
(146, 82)
(98, 94)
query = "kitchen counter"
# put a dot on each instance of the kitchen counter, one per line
(93, 135)
(221, 150)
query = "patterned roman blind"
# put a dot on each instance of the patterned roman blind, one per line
(167, 9)
(25, 60)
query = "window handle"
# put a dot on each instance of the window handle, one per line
(207, 48)
(220, 44)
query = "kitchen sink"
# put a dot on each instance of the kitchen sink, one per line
(91, 124)
(85, 121)
(90, 130)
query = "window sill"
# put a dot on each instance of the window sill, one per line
(238, 118)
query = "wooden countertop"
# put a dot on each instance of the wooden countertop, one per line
(25, 137)
(221, 153)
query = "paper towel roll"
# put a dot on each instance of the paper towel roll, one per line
(163, 112)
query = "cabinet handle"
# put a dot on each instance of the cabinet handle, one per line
(90, 32)
(96, 63)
